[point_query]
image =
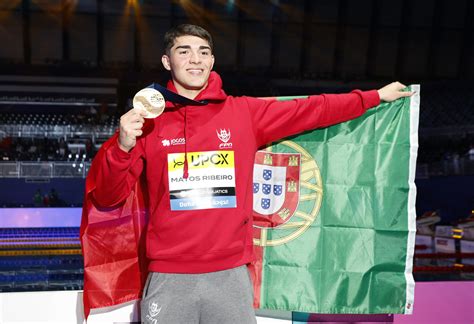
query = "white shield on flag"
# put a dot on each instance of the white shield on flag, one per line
(268, 180)
(275, 187)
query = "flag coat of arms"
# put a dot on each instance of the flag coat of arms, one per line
(275, 188)
(343, 241)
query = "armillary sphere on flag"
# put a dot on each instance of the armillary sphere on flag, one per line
(287, 189)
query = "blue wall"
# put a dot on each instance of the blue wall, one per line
(17, 192)
(453, 196)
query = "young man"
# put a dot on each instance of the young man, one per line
(198, 162)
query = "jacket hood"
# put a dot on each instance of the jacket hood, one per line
(212, 92)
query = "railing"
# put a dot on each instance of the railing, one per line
(93, 131)
(37, 170)
(447, 130)
(461, 166)
(79, 169)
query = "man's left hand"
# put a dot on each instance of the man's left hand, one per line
(393, 91)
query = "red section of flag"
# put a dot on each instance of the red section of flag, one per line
(255, 269)
(113, 245)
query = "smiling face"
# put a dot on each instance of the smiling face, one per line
(190, 62)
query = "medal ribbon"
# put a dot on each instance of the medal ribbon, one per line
(176, 98)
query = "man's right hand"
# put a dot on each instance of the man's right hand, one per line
(131, 124)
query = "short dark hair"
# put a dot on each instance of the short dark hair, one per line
(185, 30)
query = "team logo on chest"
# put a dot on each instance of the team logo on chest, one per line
(224, 136)
(275, 187)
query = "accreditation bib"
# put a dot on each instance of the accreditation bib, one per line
(210, 184)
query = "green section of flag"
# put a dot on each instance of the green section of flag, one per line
(353, 256)
(290, 98)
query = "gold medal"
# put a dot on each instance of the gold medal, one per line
(151, 101)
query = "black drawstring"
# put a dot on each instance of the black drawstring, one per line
(185, 168)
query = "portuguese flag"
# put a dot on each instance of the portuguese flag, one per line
(334, 213)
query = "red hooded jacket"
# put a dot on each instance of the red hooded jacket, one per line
(200, 222)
